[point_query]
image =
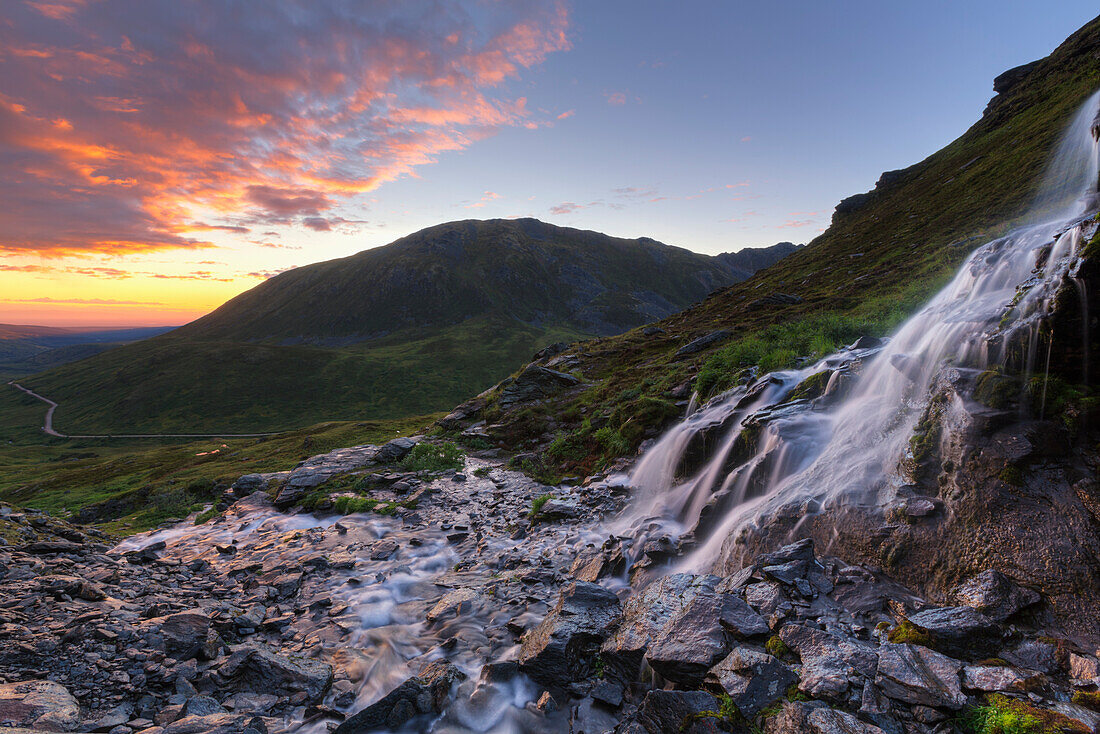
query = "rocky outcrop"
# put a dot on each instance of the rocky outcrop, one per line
(534, 383)
(423, 694)
(38, 704)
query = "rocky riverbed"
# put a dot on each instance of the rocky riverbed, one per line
(459, 612)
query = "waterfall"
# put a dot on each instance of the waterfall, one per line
(763, 450)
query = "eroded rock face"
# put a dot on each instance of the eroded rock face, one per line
(916, 675)
(563, 647)
(257, 668)
(995, 595)
(751, 678)
(38, 704)
(691, 712)
(814, 717)
(423, 694)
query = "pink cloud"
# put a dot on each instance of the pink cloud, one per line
(615, 98)
(566, 114)
(566, 207)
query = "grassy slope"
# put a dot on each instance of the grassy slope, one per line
(169, 385)
(152, 480)
(870, 269)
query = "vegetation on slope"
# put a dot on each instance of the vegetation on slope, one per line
(885, 253)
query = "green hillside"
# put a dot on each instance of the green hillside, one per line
(407, 329)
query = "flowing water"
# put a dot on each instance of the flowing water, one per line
(815, 454)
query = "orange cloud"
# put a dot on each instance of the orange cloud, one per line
(130, 126)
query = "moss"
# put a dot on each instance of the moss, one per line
(812, 387)
(1088, 699)
(777, 648)
(1004, 715)
(1012, 475)
(996, 390)
(912, 634)
(207, 516)
(482, 471)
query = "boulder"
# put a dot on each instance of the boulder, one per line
(72, 586)
(645, 615)
(425, 693)
(960, 630)
(995, 595)
(564, 646)
(184, 633)
(453, 603)
(535, 383)
(751, 678)
(916, 675)
(698, 345)
(258, 668)
(990, 678)
(814, 717)
(38, 704)
(830, 663)
(684, 712)
(395, 449)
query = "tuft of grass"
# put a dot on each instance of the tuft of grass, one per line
(1004, 715)
(207, 516)
(1087, 699)
(537, 504)
(910, 633)
(432, 457)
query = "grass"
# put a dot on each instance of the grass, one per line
(910, 633)
(536, 506)
(132, 485)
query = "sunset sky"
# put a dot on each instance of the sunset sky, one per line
(158, 157)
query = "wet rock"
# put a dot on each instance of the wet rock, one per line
(700, 635)
(258, 668)
(991, 678)
(202, 706)
(559, 509)
(684, 712)
(814, 717)
(608, 693)
(383, 549)
(752, 679)
(212, 724)
(563, 647)
(425, 693)
(1034, 655)
(592, 564)
(698, 345)
(1083, 668)
(995, 595)
(831, 664)
(455, 603)
(117, 716)
(645, 615)
(916, 675)
(38, 704)
(960, 630)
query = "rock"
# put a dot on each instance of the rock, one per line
(535, 383)
(212, 724)
(455, 602)
(1008, 79)
(830, 663)
(38, 704)
(73, 586)
(258, 668)
(117, 716)
(960, 630)
(995, 595)
(395, 449)
(607, 693)
(698, 345)
(814, 717)
(752, 679)
(592, 564)
(700, 635)
(184, 633)
(202, 706)
(662, 712)
(916, 675)
(559, 509)
(52, 547)
(774, 299)
(424, 694)
(1083, 668)
(645, 615)
(1034, 655)
(383, 549)
(991, 678)
(550, 351)
(563, 647)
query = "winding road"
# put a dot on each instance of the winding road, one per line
(48, 429)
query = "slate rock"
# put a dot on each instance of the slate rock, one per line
(202, 706)
(991, 678)
(960, 630)
(564, 646)
(662, 712)
(701, 343)
(395, 449)
(751, 678)
(995, 595)
(425, 693)
(814, 717)
(535, 383)
(184, 633)
(38, 704)
(830, 663)
(453, 603)
(258, 668)
(916, 675)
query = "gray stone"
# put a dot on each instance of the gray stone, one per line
(752, 679)
(425, 693)
(564, 646)
(202, 706)
(814, 717)
(184, 633)
(991, 678)
(830, 663)
(663, 712)
(701, 343)
(38, 704)
(960, 630)
(535, 383)
(995, 595)
(916, 675)
(258, 668)
(454, 603)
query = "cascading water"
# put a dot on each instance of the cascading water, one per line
(767, 451)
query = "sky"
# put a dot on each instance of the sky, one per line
(158, 157)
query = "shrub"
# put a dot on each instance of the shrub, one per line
(433, 457)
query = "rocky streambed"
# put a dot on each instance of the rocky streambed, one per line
(459, 612)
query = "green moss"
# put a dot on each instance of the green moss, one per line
(912, 634)
(207, 516)
(1088, 699)
(482, 471)
(1004, 715)
(1012, 475)
(812, 387)
(777, 648)
(996, 390)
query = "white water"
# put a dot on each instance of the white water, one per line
(815, 455)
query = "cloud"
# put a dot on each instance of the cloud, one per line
(567, 114)
(742, 217)
(266, 274)
(615, 98)
(566, 207)
(194, 275)
(145, 124)
(84, 301)
(746, 139)
(485, 199)
(796, 223)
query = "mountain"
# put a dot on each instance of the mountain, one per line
(25, 349)
(409, 328)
